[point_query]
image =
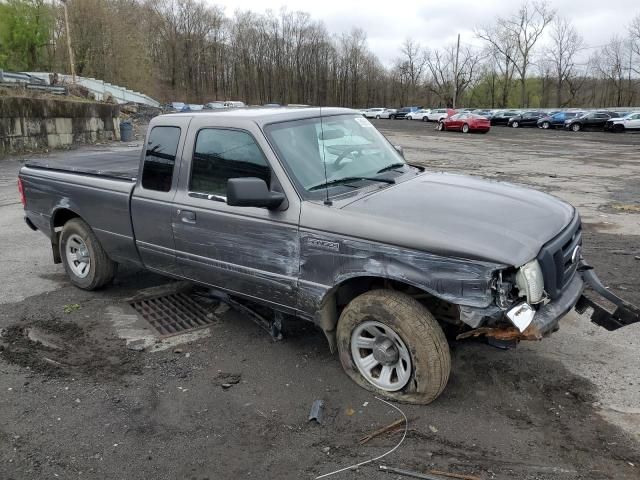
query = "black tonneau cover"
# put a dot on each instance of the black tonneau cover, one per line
(105, 161)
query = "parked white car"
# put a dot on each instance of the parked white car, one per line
(630, 121)
(387, 113)
(437, 114)
(236, 104)
(373, 112)
(418, 115)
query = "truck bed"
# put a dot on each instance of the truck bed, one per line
(105, 161)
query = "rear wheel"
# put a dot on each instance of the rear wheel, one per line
(576, 127)
(465, 128)
(546, 125)
(377, 117)
(424, 119)
(390, 344)
(83, 257)
(515, 124)
(392, 117)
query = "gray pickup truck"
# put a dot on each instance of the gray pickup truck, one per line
(313, 213)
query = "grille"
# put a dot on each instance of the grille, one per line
(173, 314)
(556, 258)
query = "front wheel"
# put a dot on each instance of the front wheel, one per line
(84, 259)
(440, 127)
(546, 125)
(390, 344)
(576, 127)
(424, 119)
(392, 117)
(465, 128)
(515, 124)
(377, 117)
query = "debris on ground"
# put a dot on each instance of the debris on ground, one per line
(379, 457)
(408, 473)
(227, 380)
(459, 476)
(71, 307)
(381, 431)
(316, 411)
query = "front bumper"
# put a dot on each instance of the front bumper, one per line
(548, 316)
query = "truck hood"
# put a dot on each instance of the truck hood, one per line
(463, 216)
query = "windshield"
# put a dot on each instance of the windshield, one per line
(339, 147)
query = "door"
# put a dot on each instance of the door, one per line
(151, 202)
(245, 250)
(456, 122)
(599, 120)
(634, 122)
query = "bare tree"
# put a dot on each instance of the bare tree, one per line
(412, 65)
(443, 77)
(610, 62)
(561, 53)
(502, 51)
(522, 30)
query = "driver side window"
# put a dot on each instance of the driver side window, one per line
(222, 154)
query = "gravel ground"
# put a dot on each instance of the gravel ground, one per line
(76, 402)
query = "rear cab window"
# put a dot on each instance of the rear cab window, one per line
(160, 158)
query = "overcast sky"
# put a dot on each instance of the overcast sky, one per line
(435, 23)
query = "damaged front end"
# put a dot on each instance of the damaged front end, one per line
(530, 300)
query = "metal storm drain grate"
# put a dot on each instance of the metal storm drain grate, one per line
(173, 314)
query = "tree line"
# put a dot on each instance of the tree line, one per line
(189, 50)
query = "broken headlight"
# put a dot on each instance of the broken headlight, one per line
(530, 282)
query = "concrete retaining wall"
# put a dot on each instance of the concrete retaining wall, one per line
(35, 123)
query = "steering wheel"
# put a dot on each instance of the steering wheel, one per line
(347, 151)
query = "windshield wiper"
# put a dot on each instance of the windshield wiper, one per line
(391, 167)
(337, 181)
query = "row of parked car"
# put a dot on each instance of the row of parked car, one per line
(574, 120)
(194, 107)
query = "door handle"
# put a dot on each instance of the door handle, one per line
(187, 216)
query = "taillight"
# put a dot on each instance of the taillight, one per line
(21, 191)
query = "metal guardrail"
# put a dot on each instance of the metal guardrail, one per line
(101, 89)
(6, 77)
(30, 82)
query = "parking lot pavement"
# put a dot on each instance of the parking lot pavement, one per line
(83, 405)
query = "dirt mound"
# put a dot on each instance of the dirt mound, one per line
(58, 348)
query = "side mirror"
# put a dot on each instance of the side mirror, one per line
(399, 149)
(252, 192)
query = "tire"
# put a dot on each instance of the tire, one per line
(392, 117)
(417, 331)
(425, 119)
(465, 128)
(618, 128)
(100, 270)
(546, 125)
(515, 124)
(576, 127)
(377, 117)
(440, 127)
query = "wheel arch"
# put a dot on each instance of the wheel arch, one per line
(346, 289)
(59, 217)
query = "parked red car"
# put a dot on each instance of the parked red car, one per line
(465, 122)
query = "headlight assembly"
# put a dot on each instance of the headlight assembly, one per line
(530, 282)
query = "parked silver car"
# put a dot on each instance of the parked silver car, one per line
(373, 112)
